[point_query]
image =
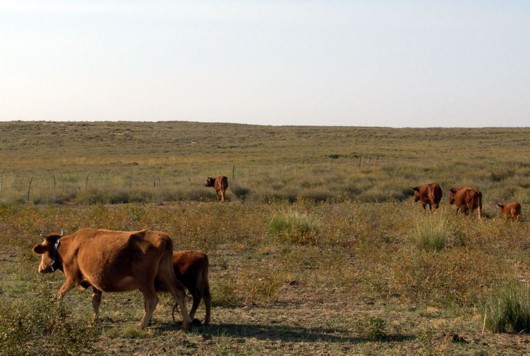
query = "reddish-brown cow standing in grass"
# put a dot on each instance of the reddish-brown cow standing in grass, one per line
(512, 210)
(219, 184)
(114, 261)
(429, 194)
(191, 269)
(466, 199)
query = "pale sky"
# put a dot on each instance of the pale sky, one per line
(290, 62)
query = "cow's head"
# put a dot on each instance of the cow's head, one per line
(416, 193)
(48, 251)
(210, 182)
(452, 193)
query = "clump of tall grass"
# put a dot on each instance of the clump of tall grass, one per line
(435, 233)
(294, 228)
(508, 308)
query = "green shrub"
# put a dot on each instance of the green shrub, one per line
(508, 308)
(372, 328)
(39, 325)
(294, 228)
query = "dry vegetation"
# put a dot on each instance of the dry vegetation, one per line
(319, 248)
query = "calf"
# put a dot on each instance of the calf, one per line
(429, 194)
(191, 269)
(114, 261)
(512, 210)
(466, 199)
(220, 184)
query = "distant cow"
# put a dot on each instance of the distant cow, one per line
(220, 184)
(429, 194)
(114, 261)
(466, 199)
(191, 269)
(512, 210)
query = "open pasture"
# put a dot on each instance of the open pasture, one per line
(318, 248)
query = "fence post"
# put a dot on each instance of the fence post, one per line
(29, 187)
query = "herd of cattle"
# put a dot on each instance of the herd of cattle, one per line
(464, 198)
(117, 261)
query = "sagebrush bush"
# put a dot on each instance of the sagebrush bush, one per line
(508, 307)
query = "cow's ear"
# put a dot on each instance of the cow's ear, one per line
(500, 205)
(39, 249)
(452, 190)
(416, 189)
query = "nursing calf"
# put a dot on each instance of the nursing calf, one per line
(191, 269)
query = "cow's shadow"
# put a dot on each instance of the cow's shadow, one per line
(279, 332)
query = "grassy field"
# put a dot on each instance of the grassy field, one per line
(319, 248)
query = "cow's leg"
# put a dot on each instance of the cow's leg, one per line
(207, 303)
(180, 297)
(150, 302)
(222, 195)
(96, 301)
(67, 286)
(176, 289)
(479, 212)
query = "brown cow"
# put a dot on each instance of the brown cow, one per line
(191, 269)
(429, 194)
(512, 210)
(220, 184)
(114, 261)
(466, 199)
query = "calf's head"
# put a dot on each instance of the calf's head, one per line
(416, 194)
(48, 251)
(210, 182)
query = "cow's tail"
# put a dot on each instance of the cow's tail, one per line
(172, 284)
(206, 292)
(478, 204)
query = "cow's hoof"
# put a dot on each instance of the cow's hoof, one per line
(196, 322)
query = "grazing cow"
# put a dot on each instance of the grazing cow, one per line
(429, 194)
(114, 261)
(466, 199)
(220, 184)
(191, 269)
(512, 210)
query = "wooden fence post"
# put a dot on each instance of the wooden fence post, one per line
(29, 187)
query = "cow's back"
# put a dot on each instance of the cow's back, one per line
(221, 183)
(109, 260)
(434, 193)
